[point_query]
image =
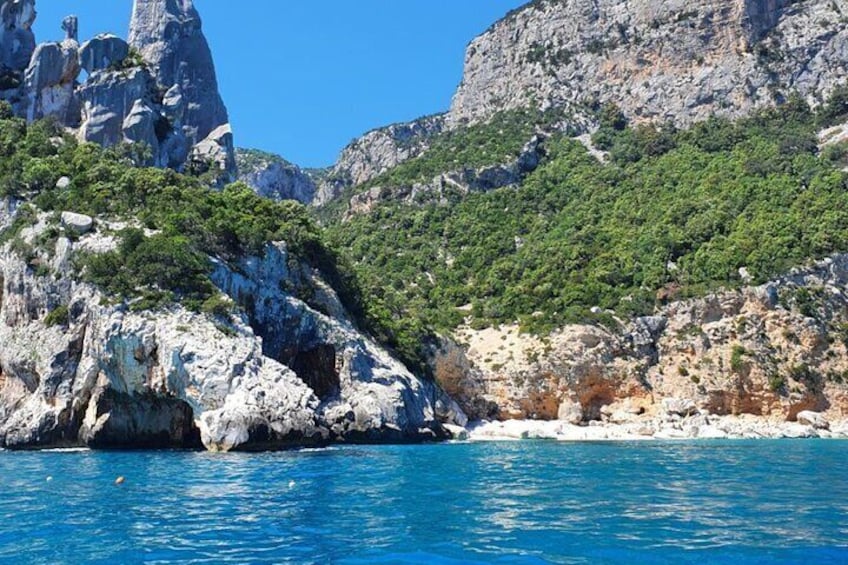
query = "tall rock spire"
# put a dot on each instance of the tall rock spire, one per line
(17, 42)
(169, 36)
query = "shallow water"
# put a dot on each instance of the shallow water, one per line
(531, 502)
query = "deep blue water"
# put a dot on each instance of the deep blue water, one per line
(709, 502)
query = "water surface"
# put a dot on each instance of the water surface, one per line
(531, 502)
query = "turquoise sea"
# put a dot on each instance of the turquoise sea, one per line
(531, 502)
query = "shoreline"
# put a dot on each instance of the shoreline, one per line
(700, 427)
(643, 429)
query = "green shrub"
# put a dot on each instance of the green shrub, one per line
(737, 359)
(711, 199)
(217, 306)
(777, 383)
(57, 317)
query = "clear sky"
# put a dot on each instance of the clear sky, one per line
(303, 78)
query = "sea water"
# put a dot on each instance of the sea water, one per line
(528, 502)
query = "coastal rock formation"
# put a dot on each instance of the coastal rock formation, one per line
(75, 370)
(274, 177)
(102, 52)
(50, 81)
(775, 351)
(160, 89)
(666, 61)
(169, 36)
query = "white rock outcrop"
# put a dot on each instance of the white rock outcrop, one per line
(78, 371)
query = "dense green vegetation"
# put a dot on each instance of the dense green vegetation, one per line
(673, 213)
(189, 222)
(497, 141)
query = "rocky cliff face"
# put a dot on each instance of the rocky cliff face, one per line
(169, 36)
(375, 153)
(76, 370)
(668, 60)
(774, 351)
(273, 177)
(17, 42)
(462, 181)
(160, 91)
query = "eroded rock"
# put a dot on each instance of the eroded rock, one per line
(104, 51)
(676, 61)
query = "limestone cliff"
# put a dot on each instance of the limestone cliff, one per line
(78, 370)
(169, 36)
(658, 60)
(161, 90)
(774, 351)
(376, 152)
(273, 177)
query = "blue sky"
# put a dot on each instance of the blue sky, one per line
(303, 78)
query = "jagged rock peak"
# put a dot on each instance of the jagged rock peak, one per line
(169, 36)
(678, 60)
(50, 78)
(17, 42)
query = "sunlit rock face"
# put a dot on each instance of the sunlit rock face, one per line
(169, 36)
(676, 60)
(17, 42)
(281, 373)
(159, 88)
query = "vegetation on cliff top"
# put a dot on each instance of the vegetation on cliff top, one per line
(673, 213)
(189, 221)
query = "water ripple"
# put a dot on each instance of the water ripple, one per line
(509, 503)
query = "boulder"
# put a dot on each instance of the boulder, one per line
(63, 183)
(570, 411)
(103, 52)
(679, 407)
(78, 223)
(814, 419)
(457, 433)
(216, 152)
